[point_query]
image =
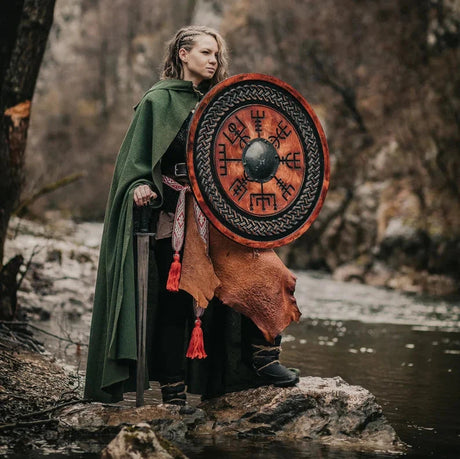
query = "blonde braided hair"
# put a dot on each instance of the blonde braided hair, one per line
(186, 38)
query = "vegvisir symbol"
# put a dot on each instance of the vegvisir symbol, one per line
(260, 132)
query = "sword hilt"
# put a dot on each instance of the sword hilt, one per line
(142, 216)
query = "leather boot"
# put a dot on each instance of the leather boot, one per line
(173, 392)
(265, 360)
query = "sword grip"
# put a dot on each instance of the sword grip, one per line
(142, 215)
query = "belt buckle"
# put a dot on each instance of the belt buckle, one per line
(180, 170)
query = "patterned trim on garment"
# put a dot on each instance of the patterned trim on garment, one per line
(178, 234)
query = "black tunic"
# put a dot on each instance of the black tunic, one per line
(227, 334)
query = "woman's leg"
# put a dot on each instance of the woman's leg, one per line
(175, 310)
(265, 358)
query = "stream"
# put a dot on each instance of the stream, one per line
(405, 349)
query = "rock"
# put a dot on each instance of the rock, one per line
(398, 229)
(406, 281)
(328, 410)
(387, 159)
(350, 272)
(54, 255)
(140, 441)
(73, 309)
(439, 285)
(169, 421)
(346, 237)
(413, 281)
(62, 270)
(378, 275)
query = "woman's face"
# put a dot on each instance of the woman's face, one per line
(200, 63)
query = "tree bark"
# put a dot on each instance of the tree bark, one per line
(24, 29)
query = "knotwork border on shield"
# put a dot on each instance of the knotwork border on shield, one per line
(259, 228)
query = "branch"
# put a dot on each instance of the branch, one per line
(67, 180)
(341, 209)
(54, 408)
(19, 338)
(27, 423)
(35, 250)
(327, 74)
(68, 340)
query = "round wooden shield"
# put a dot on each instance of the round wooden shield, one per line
(257, 160)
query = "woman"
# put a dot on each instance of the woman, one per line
(154, 146)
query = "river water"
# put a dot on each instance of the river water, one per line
(404, 349)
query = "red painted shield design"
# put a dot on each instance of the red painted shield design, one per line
(258, 160)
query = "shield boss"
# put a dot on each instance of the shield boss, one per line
(258, 160)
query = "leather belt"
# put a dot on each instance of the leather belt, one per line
(180, 170)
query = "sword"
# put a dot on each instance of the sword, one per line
(143, 235)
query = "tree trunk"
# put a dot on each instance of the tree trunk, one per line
(24, 29)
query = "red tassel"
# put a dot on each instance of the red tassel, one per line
(174, 274)
(196, 347)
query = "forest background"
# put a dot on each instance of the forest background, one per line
(383, 76)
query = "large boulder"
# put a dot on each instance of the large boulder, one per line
(327, 410)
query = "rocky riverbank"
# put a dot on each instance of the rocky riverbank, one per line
(59, 272)
(383, 238)
(32, 389)
(326, 410)
(42, 411)
(42, 401)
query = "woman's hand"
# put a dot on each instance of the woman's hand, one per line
(143, 194)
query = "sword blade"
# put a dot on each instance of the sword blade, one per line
(142, 289)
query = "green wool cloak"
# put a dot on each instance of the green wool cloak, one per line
(112, 350)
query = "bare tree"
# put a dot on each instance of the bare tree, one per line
(24, 28)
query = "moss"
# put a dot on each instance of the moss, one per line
(173, 450)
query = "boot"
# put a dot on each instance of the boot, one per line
(173, 393)
(265, 360)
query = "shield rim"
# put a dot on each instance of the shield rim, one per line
(194, 182)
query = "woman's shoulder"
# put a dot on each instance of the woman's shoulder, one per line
(159, 93)
(163, 87)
